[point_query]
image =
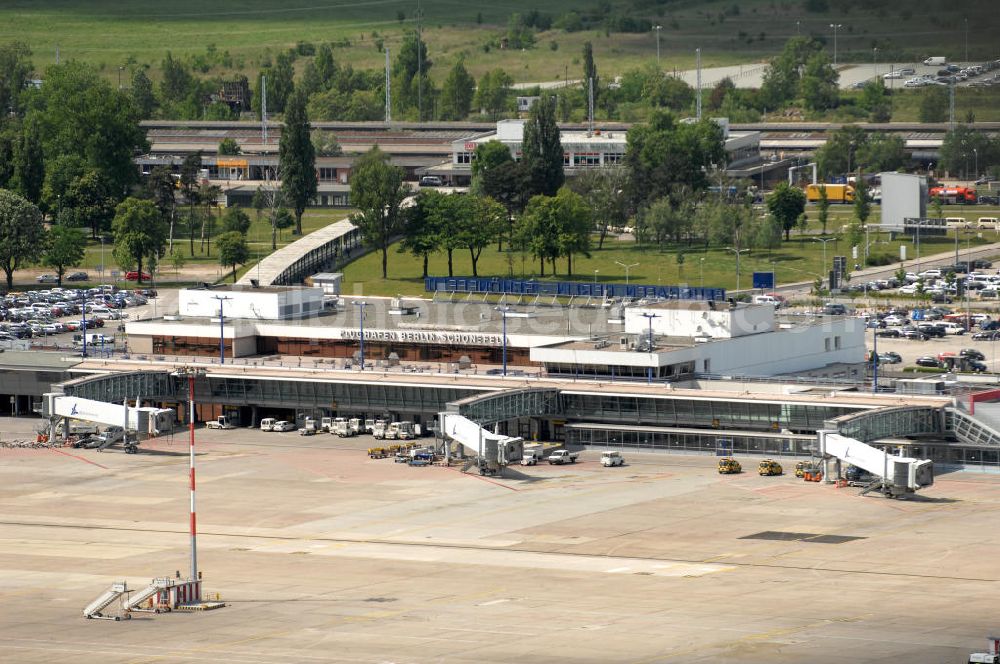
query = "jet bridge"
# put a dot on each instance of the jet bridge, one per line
(493, 451)
(896, 475)
(144, 420)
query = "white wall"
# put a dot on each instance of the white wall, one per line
(903, 196)
(722, 323)
(252, 303)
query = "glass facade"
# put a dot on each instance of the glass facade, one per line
(688, 440)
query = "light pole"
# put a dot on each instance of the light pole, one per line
(875, 356)
(627, 268)
(701, 264)
(84, 310)
(875, 60)
(657, 28)
(835, 26)
(102, 257)
(649, 370)
(737, 252)
(975, 151)
(192, 373)
(222, 328)
(966, 41)
(798, 27)
(361, 308)
(503, 313)
(824, 240)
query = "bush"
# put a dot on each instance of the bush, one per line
(877, 260)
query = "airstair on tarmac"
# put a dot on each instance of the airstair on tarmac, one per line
(135, 602)
(493, 451)
(103, 608)
(894, 475)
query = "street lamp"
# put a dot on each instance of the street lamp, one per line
(191, 373)
(222, 328)
(875, 60)
(701, 264)
(737, 252)
(835, 26)
(361, 307)
(657, 28)
(824, 240)
(649, 370)
(503, 313)
(627, 268)
(975, 151)
(875, 356)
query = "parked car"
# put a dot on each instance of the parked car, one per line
(891, 333)
(78, 276)
(972, 354)
(928, 361)
(915, 334)
(133, 275)
(988, 335)
(283, 425)
(976, 366)
(889, 358)
(46, 279)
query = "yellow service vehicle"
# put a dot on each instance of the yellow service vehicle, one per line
(803, 467)
(377, 452)
(769, 467)
(729, 466)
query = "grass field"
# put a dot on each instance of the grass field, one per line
(800, 259)
(111, 33)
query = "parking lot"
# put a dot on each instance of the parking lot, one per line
(323, 554)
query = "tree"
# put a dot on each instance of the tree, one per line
(818, 86)
(190, 179)
(420, 234)
(493, 91)
(140, 233)
(228, 147)
(79, 113)
(325, 144)
(177, 261)
(141, 90)
(22, 234)
(297, 159)
(377, 190)
(160, 189)
(874, 99)
(963, 146)
(409, 74)
(233, 250)
(785, 204)
(60, 173)
(88, 203)
(489, 155)
(934, 105)
(604, 190)
(456, 93)
(862, 205)
(781, 80)
(720, 92)
(482, 220)
(554, 226)
(282, 219)
(280, 83)
(541, 149)
(177, 81)
(823, 207)
(29, 167)
(235, 220)
(839, 154)
(65, 248)
(589, 71)
(665, 155)
(15, 70)
(882, 152)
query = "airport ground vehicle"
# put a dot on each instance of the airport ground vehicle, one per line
(954, 195)
(282, 425)
(936, 61)
(803, 467)
(769, 467)
(611, 458)
(560, 457)
(342, 428)
(77, 428)
(221, 422)
(835, 193)
(529, 460)
(729, 466)
(309, 428)
(267, 424)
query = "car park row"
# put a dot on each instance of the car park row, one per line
(37, 313)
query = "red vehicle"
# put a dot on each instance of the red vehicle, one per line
(133, 275)
(955, 195)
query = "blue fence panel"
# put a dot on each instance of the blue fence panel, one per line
(568, 288)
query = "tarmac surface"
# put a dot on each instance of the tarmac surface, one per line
(322, 554)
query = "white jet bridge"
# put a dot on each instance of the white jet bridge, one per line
(143, 420)
(896, 475)
(493, 451)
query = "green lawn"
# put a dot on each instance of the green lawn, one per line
(800, 259)
(110, 33)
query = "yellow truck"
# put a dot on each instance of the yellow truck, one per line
(835, 193)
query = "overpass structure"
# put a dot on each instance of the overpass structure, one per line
(314, 253)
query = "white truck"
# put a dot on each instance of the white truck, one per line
(560, 457)
(309, 428)
(342, 427)
(400, 431)
(221, 422)
(936, 61)
(612, 458)
(267, 424)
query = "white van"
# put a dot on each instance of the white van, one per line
(768, 299)
(267, 424)
(951, 328)
(987, 222)
(100, 311)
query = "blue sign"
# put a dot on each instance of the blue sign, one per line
(763, 280)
